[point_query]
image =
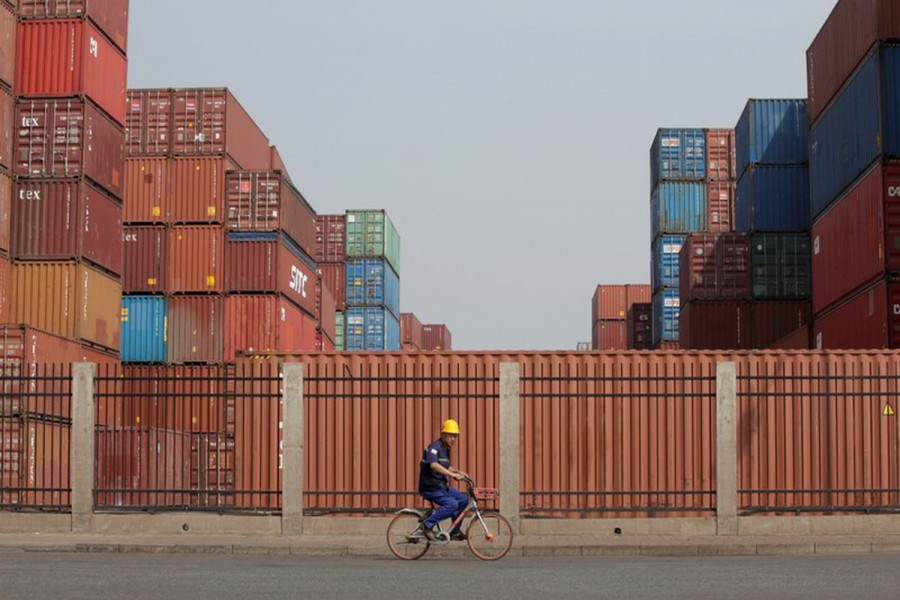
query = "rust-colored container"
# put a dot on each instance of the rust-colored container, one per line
(266, 201)
(69, 57)
(610, 335)
(58, 219)
(6, 191)
(145, 259)
(210, 121)
(196, 324)
(771, 320)
(110, 16)
(4, 288)
(69, 299)
(436, 337)
(609, 303)
(867, 320)
(331, 238)
(261, 324)
(326, 312)
(323, 344)
(797, 340)
(69, 138)
(146, 195)
(197, 192)
(276, 163)
(35, 355)
(7, 125)
(720, 206)
(715, 266)
(720, 159)
(639, 326)
(410, 331)
(104, 359)
(851, 30)
(7, 45)
(334, 277)
(195, 257)
(637, 293)
(715, 325)
(148, 122)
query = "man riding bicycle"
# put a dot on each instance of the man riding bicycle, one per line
(434, 482)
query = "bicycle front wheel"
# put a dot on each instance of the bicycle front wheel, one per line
(404, 539)
(491, 540)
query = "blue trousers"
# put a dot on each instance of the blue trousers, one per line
(450, 504)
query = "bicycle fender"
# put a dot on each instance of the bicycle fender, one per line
(411, 511)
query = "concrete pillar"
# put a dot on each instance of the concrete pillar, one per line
(726, 449)
(292, 449)
(82, 447)
(509, 443)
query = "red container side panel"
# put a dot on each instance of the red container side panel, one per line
(436, 337)
(276, 163)
(110, 16)
(720, 206)
(334, 276)
(325, 311)
(610, 335)
(720, 157)
(637, 293)
(715, 325)
(331, 238)
(148, 122)
(6, 191)
(197, 189)
(146, 250)
(195, 256)
(798, 340)
(868, 320)
(715, 266)
(7, 126)
(410, 331)
(640, 326)
(4, 289)
(146, 193)
(195, 333)
(609, 303)
(261, 324)
(8, 29)
(771, 320)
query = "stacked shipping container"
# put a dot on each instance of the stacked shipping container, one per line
(436, 336)
(614, 324)
(331, 256)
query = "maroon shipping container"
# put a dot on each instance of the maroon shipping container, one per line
(331, 238)
(197, 189)
(720, 206)
(208, 121)
(7, 126)
(148, 122)
(796, 340)
(66, 218)
(196, 258)
(62, 58)
(110, 16)
(6, 191)
(714, 266)
(609, 303)
(334, 276)
(276, 163)
(323, 344)
(849, 33)
(771, 320)
(25, 352)
(720, 158)
(69, 138)
(4, 288)
(266, 323)
(858, 240)
(715, 325)
(325, 311)
(640, 326)
(102, 358)
(266, 201)
(269, 266)
(610, 335)
(146, 195)
(866, 321)
(195, 333)
(7, 45)
(436, 337)
(145, 259)
(410, 331)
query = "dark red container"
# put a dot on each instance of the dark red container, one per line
(148, 122)
(868, 320)
(210, 121)
(714, 266)
(110, 16)
(7, 126)
(6, 191)
(851, 30)
(4, 288)
(610, 335)
(276, 163)
(196, 259)
(331, 238)
(858, 240)
(720, 160)
(325, 311)
(715, 325)
(64, 58)
(7, 45)
(66, 218)
(771, 320)
(266, 323)
(145, 259)
(334, 276)
(436, 337)
(195, 333)
(797, 340)
(720, 206)
(69, 138)
(146, 191)
(270, 266)
(410, 331)
(261, 201)
(640, 326)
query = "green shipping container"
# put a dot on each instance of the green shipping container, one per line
(370, 234)
(339, 331)
(781, 266)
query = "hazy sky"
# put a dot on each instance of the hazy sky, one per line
(507, 139)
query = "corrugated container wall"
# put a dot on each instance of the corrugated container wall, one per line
(436, 337)
(146, 249)
(7, 126)
(715, 266)
(7, 45)
(276, 163)
(325, 311)
(371, 234)
(771, 320)
(195, 257)
(24, 350)
(780, 266)
(143, 329)
(371, 329)
(266, 323)
(197, 189)
(715, 325)
(6, 192)
(610, 335)
(609, 302)
(410, 331)
(678, 155)
(372, 282)
(678, 207)
(4, 288)
(640, 326)
(720, 206)
(665, 267)
(771, 132)
(339, 329)
(331, 238)
(773, 198)
(148, 122)
(146, 190)
(195, 329)
(868, 320)
(334, 276)
(637, 292)
(111, 16)
(666, 306)
(720, 160)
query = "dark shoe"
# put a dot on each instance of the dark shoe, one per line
(427, 532)
(457, 536)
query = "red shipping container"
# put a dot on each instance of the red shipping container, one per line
(8, 28)
(6, 191)
(197, 189)
(640, 326)
(714, 266)
(276, 163)
(720, 158)
(334, 277)
(145, 259)
(195, 257)
(266, 323)
(637, 293)
(210, 121)
(323, 344)
(105, 360)
(110, 16)
(610, 335)
(325, 311)
(7, 126)
(331, 238)
(195, 329)
(410, 331)
(609, 302)
(436, 337)
(720, 206)
(266, 201)
(771, 320)
(849, 33)
(146, 195)
(270, 266)
(4, 288)
(66, 218)
(62, 58)
(858, 239)
(69, 138)
(797, 340)
(715, 325)
(148, 122)
(869, 320)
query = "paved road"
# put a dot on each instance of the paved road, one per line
(143, 576)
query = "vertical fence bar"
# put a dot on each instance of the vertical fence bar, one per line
(292, 477)
(82, 446)
(726, 449)
(509, 443)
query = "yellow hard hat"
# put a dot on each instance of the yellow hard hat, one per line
(450, 426)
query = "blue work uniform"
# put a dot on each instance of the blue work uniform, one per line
(435, 486)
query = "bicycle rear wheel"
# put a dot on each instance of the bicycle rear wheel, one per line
(492, 543)
(404, 539)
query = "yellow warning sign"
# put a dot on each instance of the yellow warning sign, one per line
(888, 410)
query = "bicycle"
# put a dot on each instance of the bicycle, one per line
(488, 534)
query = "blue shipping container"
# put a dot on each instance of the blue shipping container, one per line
(862, 123)
(771, 132)
(143, 329)
(370, 330)
(773, 198)
(666, 308)
(664, 271)
(678, 154)
(678, 207)
(372, 282)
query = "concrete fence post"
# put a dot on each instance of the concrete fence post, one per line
(292, 451)
(82, 447)
(510, 486)
(726, 449)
